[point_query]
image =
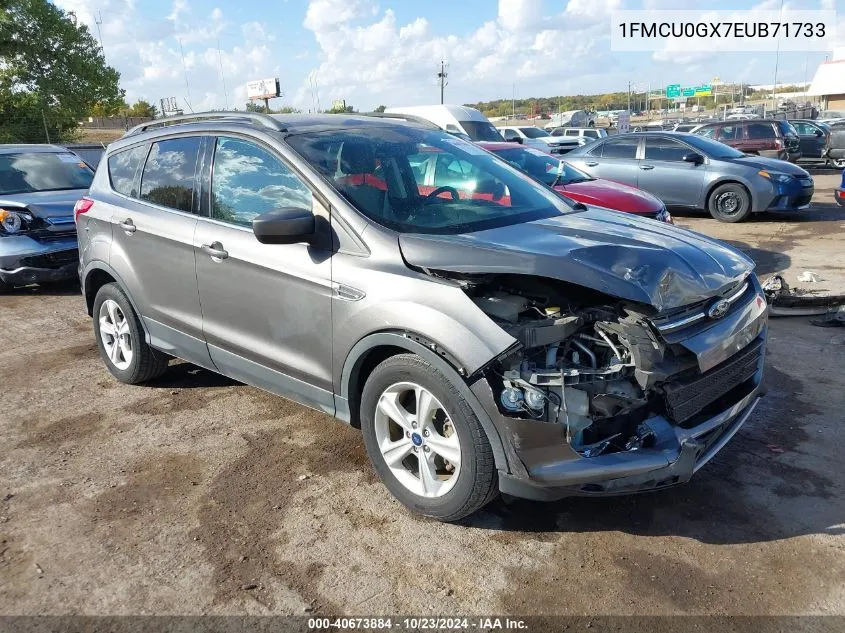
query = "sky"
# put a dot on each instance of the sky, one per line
(375, 52)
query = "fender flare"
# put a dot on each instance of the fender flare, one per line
(403, 340)
(99, 264)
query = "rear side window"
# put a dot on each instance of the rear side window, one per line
(169, 177)
(592, 133)
(621, 148)
(123, 166)
(707, 132)
(761, 131)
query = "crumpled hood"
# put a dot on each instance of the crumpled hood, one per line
(45, 204)
(770, 164)
(619, 254)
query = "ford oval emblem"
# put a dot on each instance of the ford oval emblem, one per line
(718, 309)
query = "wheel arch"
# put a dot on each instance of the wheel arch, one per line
(377, 347)
(96, 275)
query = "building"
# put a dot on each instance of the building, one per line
(829, 82)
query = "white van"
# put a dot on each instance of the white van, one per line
(454, 118)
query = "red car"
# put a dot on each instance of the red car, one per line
(577, 185)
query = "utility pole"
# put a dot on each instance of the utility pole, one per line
(98, 20)
(629, 96)
(513, 100)
(222, 77)
(441, 78)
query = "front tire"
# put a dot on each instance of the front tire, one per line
(729, 203)
(120, 339)
(424, 440)
(838, 163)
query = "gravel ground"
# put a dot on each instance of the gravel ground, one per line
(196, 494)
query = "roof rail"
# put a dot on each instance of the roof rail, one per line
(403, 117)
(264, 120)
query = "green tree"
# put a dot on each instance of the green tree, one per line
(339, 110)
(380, 108)
(52, 72)
(142, 108)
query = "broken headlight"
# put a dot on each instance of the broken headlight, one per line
(13, 222)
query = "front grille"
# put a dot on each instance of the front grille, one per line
(800, 201)
(51, 260)
(806, 182)
(685, 398)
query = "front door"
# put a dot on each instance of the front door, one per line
(664, 173)
(266, 308)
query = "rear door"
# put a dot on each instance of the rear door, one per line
(152, 245)
(615, 159)
(266, 308)
(664, 173)
(761, 138)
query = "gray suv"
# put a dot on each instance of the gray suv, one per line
(485, 336)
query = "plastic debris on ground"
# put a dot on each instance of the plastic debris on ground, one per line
(786, 301)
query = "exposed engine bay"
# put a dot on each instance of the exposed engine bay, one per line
(586, 361)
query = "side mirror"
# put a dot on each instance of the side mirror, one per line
(514, 139)
(694, 158)
(289, 225)
(819, 133)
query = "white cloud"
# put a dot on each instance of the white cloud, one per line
(256, 31)
(374, 61)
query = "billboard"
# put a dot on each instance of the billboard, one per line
(263, 88)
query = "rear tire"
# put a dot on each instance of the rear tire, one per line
(838, 163)
(120, 339)
(729, 203)
(448, 426)
(4, 287)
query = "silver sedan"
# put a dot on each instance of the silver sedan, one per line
(687, 171)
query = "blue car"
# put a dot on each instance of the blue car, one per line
(39, 186)
(839, 193)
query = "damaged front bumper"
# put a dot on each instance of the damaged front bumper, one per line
(677, 454)
(26, 260)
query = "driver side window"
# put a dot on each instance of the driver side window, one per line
(248, 180)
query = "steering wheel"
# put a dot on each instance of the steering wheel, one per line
(445, 189)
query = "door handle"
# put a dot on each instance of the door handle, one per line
(215, 250)
(646, 166)
(128, 226)
(591, 163)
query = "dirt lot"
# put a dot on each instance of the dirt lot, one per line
(196, 494)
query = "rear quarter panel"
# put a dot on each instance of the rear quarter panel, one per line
(94, 228)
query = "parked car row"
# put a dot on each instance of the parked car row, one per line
(485, 333)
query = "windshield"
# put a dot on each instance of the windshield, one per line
(714, 149)
(29, 172)
(481, 131)
(534, 132)
(420, 181)
(547, 169)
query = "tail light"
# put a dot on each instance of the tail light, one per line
(83, 205)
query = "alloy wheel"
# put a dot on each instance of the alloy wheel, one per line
(115, 334)
(417, 439)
